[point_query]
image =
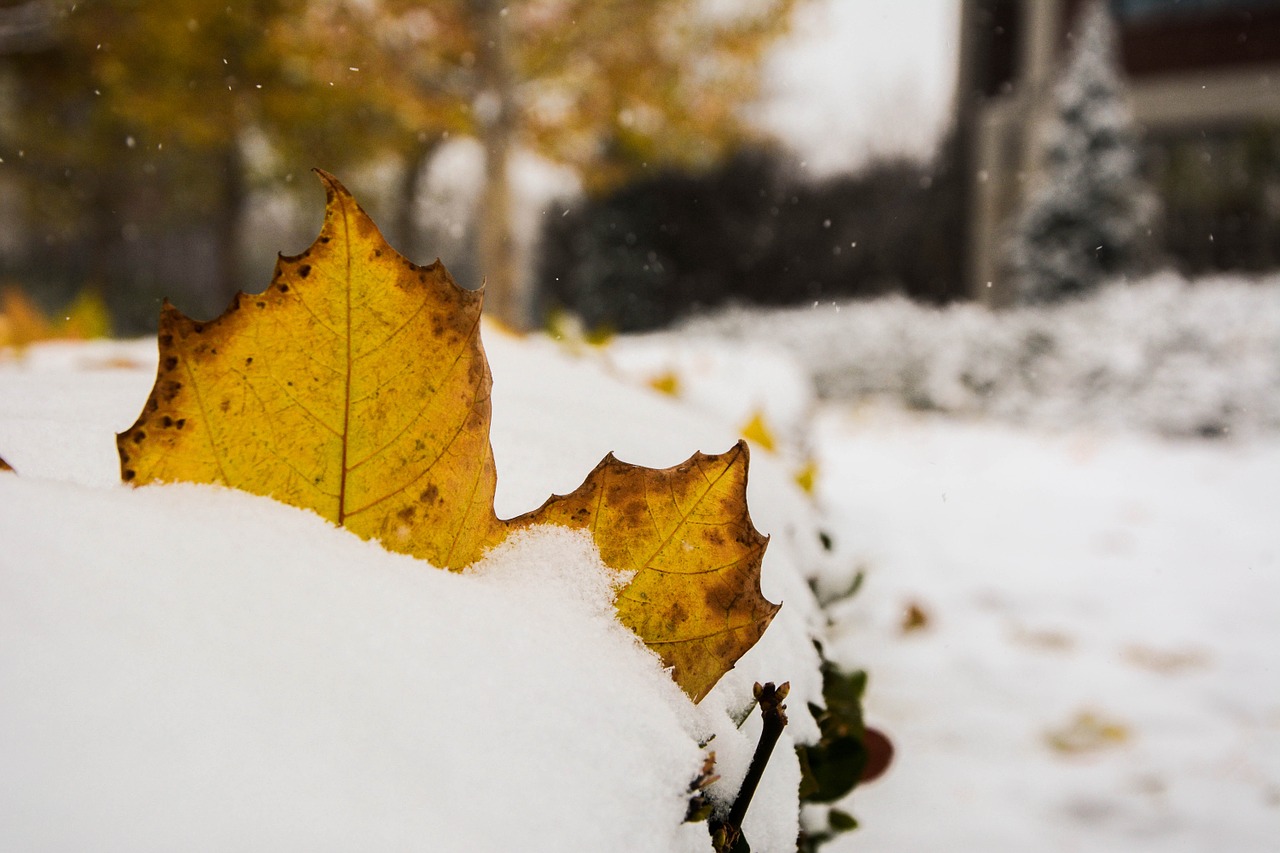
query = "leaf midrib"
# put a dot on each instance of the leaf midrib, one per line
(346, 388)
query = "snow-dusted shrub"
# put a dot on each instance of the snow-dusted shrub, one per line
(1090, 217)
(1162, 355)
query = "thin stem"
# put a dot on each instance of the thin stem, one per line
(774, 716)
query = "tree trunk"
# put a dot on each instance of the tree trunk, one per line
(407, 234)
(496, 117)
(226, 229)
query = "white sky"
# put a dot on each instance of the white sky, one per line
(863, 77)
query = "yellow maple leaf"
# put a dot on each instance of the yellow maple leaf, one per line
(356, 386)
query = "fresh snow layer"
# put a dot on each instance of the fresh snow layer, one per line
(1100, 666)
(189, 667)
(236, 674)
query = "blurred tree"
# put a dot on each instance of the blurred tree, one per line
(141, 114)
(128, 116)
(605, 86)
(1093, 213)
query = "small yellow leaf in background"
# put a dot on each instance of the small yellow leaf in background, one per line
(600, 336)
(758, 433)
(356, 386)
(666, 382)
(22, 322)
(1087, 732)
(807, 477)
(86, 317)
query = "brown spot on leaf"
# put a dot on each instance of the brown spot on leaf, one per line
(304, 270)
(170, 362)
(139, 437)
(128, 474)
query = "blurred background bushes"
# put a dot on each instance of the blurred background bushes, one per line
(754, 230)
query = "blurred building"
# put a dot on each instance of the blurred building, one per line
(1204, 81)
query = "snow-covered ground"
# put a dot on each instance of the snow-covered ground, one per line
(1099, 663)
(193, 668)
(1073, 636)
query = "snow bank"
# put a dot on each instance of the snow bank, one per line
(1165, 355)
(189, 667)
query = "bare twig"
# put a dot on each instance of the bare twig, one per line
(727, 834)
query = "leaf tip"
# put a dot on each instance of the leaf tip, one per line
(329, 180)
(335, 196)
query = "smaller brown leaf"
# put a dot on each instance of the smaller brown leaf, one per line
(5, 466)
(914, 618)
(686, 534)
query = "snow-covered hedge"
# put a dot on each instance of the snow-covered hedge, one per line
(1165, 355)
(194, 668)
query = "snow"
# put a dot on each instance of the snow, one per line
(190, 667)
(1068, 579)
(234, 673)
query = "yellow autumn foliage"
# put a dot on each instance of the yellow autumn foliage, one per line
(356, 386)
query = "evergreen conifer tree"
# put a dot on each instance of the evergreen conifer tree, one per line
(1091, 217)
